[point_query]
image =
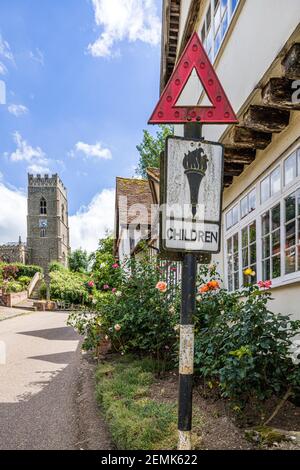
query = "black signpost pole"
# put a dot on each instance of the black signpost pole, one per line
(188, 306)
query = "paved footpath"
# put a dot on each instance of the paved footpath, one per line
(42, 386)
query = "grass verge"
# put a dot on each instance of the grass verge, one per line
(135, 420)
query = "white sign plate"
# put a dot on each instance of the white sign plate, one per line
(192, 193)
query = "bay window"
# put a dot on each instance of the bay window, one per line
(263, 233)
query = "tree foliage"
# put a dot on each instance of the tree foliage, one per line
(150, 149)
(79, 261)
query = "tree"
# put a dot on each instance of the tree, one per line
(79, 261)
(150, 149)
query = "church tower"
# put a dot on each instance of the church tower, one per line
(47, 221)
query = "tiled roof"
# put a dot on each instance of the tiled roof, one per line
(137, 191)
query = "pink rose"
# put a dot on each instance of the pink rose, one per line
(161, 286)
(91, 284)
(106, 286)
(115, 265)
(264, 284)
(114, 289)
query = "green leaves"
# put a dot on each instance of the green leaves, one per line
(151, 148)
(243, 344)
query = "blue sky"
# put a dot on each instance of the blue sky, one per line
(81, 79)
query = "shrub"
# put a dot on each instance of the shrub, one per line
(24, 280)
(137, 316)
(56, 266)
(10, 271)
(241, 347)
(27, 269)
(106, 272)
(68, 286)
(14, 286)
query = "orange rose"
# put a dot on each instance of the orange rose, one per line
(213, 284)
(161, 286)
(203, 289)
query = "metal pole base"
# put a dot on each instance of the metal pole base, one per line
(184, 440)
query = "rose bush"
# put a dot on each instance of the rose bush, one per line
(242, 348)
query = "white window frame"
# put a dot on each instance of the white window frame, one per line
(230, 12)
(256, 214)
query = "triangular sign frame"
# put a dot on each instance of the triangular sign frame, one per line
(166, 111)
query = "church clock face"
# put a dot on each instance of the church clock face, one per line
(43, 223)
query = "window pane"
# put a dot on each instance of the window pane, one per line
(218, 39)
(252, 200)
(245, 236)
(298, 163)
(208, 18)
(229, 219)
(253, 278)
(230, 264)
(230, 285)
(298, 250)
(244, 206)
(236, 281)
(265, 189)
(275, 181)
(266, 270)
(236, 262)
(290, 168)
(203, 34)
(224, 24)
(290, 261)
(276, 242)
(275, 215)
(235, 215)
(290, 208)
(233, 5)
(224, 4)
(266, 247)
(276, 267)
(229, 246)
(252, 232)
(245, 258)
(209, 40)
(265, 221)
(253, 253)
(217, 15)
(290, 234)
(235, 242)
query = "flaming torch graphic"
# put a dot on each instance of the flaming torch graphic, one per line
(195, 166)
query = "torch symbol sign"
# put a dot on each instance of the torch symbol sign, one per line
(195, 166)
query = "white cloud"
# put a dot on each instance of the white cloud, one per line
(12, 214)
(37, 159)
(5, 50)
(95, 150)
(3, 69)
(130, 20)
(17, 109)
(37, 56)
(90, 223)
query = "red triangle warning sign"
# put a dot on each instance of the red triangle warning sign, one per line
(168, 112)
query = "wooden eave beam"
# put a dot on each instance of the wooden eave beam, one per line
(241, 155)
(266, 119)
(291, 62)
(278, 93)
(248, 138)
